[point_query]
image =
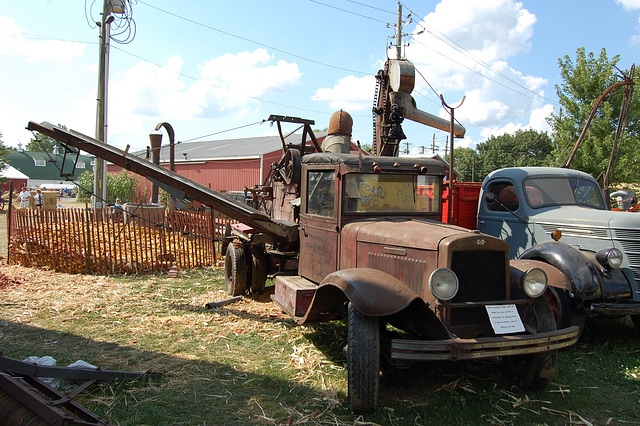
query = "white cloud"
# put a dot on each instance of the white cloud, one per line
(228, 85)
(629, 4)
(13, 42)
(537, 121)
(497, 95)
(350, 93)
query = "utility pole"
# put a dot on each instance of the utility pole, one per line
(99, 170)
(399, 33)
(451, 135)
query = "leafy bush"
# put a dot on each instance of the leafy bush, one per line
(119, 185)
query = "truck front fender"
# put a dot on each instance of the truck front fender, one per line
(585, 281)
(374, 293)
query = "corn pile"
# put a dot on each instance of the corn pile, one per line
(78, 243)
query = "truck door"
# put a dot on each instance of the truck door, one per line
(505, 217)
(318, 224)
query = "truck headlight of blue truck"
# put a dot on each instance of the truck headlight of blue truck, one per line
(610, 258)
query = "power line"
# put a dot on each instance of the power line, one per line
(253, 41)
(349, 12)
(485, 76)
(451, 43)
(372, 7)
(224, 131)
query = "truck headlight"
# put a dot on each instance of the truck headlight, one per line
(609, 258)
(443, 283)
(534, 282)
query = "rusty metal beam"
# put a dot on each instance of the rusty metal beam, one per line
(30, 369)
(227, 206)
(33, 402)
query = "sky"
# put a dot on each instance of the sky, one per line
(217, 69)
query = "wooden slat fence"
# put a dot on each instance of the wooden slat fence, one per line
(100, 242)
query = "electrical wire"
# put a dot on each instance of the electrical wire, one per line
(372, 7)
(254, 42)
(457, 47)
(225, 131)
(348, 11)
(485, 76)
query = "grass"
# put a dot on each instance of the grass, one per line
(248, 363)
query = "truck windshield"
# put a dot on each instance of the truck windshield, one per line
(554, 191)
(382, 193)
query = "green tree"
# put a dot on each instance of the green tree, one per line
(523, 149)
(583, 82)
(3, 152)
(43, 143)
(119, 185)
(465, 161)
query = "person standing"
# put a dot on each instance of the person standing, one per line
(24, 197)
(117, 211)
(39, 199)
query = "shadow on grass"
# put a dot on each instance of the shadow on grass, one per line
(190, 390)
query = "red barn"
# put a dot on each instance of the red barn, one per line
(224, 165)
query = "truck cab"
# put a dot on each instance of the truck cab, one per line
(560, 216)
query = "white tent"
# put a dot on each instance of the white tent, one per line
(57, 186)
(11, 172)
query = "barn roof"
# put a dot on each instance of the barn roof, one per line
(231, 149)
(44, 166)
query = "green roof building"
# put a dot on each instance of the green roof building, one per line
(53, 171)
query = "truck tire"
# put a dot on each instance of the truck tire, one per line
(235, 270)
(536, 370)
(636, 321)
(363, 360)
(258, 269)
(563, 313)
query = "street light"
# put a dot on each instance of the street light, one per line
(100, 171)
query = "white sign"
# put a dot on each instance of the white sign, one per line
(504, 319)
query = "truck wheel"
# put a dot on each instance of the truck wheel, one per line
(363, 360)
(563, 313)
(258, 269)
(235, 271)
(636, 321)
(225, 238)
(536, 370)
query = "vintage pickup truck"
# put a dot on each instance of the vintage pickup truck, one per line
(560, 216)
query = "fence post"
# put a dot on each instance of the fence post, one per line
(9, 211)
(86, 211)
(213, 236)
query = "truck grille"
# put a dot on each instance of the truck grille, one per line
(629, 240)
(481, 274)
(576, 231)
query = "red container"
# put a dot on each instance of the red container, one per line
(465, 204)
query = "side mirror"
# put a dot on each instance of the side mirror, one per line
(490, 198)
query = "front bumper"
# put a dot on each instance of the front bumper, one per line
(483, 347)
